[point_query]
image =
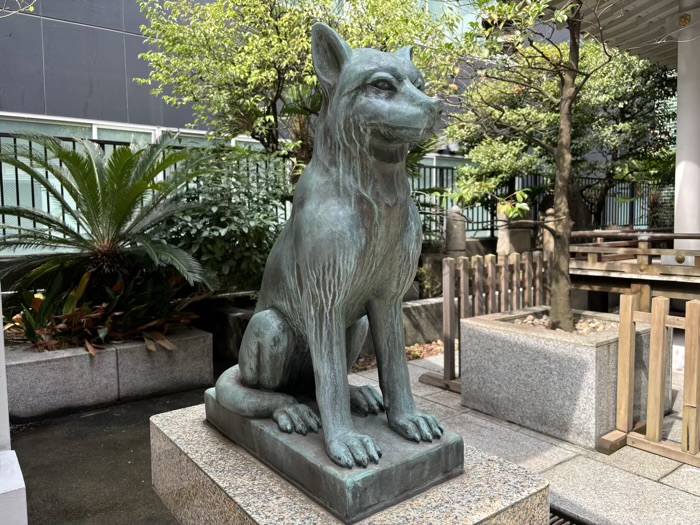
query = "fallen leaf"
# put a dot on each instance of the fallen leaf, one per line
(91, 349)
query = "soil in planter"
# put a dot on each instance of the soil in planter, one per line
(417, 351)
(583, 325)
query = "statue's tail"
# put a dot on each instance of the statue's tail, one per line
(234, 395)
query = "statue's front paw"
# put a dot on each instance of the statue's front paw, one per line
(365, 400)
(353, 449)
(417, 427)
(296, 418)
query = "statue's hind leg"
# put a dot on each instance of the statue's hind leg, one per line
(248, 389)
(364, 400)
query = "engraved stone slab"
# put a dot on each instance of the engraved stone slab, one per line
(404, 470)
(204, 478)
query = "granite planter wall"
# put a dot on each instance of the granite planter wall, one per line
(560, 384)
(43, 383)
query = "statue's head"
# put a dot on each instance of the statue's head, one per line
(377, 94)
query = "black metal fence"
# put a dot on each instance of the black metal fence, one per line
(626, 204)
(19, 189)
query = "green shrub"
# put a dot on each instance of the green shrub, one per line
(240, 213)
(103, 272)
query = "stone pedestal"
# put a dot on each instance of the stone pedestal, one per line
(202, 477)
(405, 469)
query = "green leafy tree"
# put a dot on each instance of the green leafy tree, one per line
(621, 127)
(111, 203)
(509, 38)
(245, 65)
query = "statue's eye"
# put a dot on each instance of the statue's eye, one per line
(384, 85)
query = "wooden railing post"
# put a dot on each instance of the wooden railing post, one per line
(691, 382)
(547, 280)
(537, 261)
(658, 354)
(528, 277)
(465, 309)
(491, 270)
(448, 316)
(516, 301)
(643, 244)
(625, 363)
(478, 264)
(504, 283)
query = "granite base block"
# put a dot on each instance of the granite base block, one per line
(42, 383)
(143, 373)
(554, 382)
(204, 478)
(404, 470)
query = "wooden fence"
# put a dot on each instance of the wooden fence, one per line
(636, 263)
(485, 285)
(649, 435)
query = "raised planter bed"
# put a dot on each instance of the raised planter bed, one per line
(560, 384)
(44, 383)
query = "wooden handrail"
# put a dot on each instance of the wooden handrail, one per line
(639, 235)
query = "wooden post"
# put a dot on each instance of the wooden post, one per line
(644, 293)
(448, 316)
(625, 363)
(491, 269)
(691, 382)
(658, 354)
(465, 309)
(478, 264)
(593, 258)
(539, 289)
(643, 259)
(505, 282)
(516, 301)
(527, 274)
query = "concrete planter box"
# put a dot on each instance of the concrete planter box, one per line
(560, 384)
(42, 383)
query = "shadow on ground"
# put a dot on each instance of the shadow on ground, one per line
(94, 467)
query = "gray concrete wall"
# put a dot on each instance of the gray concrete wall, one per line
(74, 58)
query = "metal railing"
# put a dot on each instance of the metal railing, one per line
(627, 204)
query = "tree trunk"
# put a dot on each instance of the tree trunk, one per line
(561, 315)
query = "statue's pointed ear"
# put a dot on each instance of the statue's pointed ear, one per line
(330, 53)
(405, 52)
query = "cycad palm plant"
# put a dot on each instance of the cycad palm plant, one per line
(117, 201)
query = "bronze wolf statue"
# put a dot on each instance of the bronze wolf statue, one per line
(343, 262)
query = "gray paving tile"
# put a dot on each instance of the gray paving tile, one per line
(360, 380)
(434, 409)
(686, 478)
(598, 493)
(449, 399)
(429, 363)
(526, 451)
(552, 440)
(418, 388)
(636, 461)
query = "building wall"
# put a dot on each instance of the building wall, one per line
(78, 59)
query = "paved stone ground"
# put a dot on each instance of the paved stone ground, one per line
(93, 468)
